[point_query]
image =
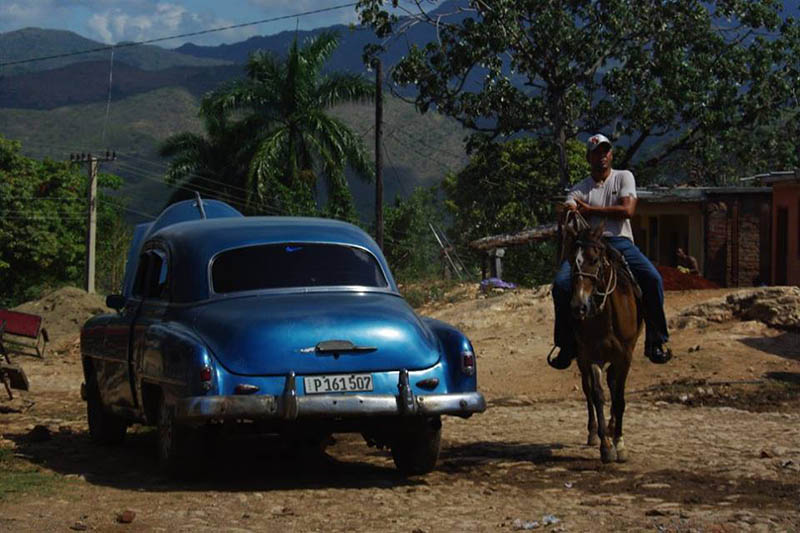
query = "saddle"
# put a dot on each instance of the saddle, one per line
(619, 260)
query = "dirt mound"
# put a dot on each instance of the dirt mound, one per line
(63, 312)
(778, 307)
(675, 280)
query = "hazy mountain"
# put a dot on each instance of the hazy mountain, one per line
(87, 82)
(27, 43)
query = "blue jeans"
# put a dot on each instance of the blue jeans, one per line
(652, 295)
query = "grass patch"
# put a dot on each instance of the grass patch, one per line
(426, 292)
(18, 477)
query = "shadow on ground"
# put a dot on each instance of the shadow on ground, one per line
(785, 345)
(238, 465)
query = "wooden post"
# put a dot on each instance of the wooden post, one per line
(496, 255)
(91, 213)
(91, 225)
(378, 156)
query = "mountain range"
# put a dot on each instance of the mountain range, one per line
(81, 102)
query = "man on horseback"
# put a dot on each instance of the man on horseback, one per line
(608, 197)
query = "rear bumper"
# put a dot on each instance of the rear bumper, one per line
(289, 406)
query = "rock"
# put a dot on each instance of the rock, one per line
(765, 454)
(519, 524)
(39, 433)
(126, 517)
(654, 486)
(550, 519)
(79, 526)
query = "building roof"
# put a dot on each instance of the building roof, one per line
(781, 177)
(692, 194)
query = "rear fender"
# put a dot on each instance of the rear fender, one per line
(454, 343)
(172, 362)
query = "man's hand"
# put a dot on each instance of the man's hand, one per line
(583, 207)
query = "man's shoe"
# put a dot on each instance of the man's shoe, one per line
(560, 361)
(658, 353)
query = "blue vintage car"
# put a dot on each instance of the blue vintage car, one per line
(279, 325)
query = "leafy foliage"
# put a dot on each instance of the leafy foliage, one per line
(409, 244)
(683, 81)
(506, 188)
(43, 225)
(287, 140)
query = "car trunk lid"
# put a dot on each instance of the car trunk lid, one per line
(316, 333)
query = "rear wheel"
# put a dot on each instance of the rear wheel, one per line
(104, 427)
(176, 449)
(416, 450)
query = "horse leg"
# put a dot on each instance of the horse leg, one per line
(612, 420)
(591, 428)
(618, 408)
(607, 451)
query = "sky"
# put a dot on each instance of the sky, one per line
(112, 21)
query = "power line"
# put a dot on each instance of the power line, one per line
(227, 197)
(179, 36)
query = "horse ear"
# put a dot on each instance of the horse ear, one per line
(597, 232)
(572, 232)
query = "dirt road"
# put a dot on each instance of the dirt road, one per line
(713, 437)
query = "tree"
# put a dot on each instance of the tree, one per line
(410, 247)
(507, 187)
(291, 139)
(214, 164)
(671, 81)
(43, 224)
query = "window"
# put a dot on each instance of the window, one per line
(274, 266)
(152, 279)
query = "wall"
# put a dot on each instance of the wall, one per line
(738, 241)
(787, 195)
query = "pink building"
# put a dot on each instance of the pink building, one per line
(785, 226)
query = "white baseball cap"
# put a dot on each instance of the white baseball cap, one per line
(596, 140)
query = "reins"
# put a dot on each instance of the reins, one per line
(579, 223)
(611, 284)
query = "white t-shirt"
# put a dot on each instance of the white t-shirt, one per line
(611, 191)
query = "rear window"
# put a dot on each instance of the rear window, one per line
(276, 266)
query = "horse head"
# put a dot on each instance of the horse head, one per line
(593, 275)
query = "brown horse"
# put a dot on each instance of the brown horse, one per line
(607, 323)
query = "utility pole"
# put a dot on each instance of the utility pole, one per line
(91, 212)
(378, 156)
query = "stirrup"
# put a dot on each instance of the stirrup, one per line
(658, 353)
(560, 361)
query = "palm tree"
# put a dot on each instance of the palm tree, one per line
(291, 140)
(214, 164)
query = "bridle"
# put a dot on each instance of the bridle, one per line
(580, 223)
(611, 282)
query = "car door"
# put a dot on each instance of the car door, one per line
(147, 342)
(114, 373)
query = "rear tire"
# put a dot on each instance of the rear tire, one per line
(104, 428)
(175, 446)
(416, 450)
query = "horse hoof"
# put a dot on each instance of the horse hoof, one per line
(622, 456)
(593, 440)
(608, 455)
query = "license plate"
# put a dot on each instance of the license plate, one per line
(338, 383)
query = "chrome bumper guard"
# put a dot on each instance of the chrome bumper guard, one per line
(290, 406)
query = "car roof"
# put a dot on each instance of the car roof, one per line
(193, 244)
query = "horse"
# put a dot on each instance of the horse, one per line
(607, 320)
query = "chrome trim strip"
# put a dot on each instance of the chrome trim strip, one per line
(255, 407)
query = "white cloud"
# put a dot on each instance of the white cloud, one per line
(112, 21)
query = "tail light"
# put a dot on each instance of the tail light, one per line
(206, 374)
(468, 362)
